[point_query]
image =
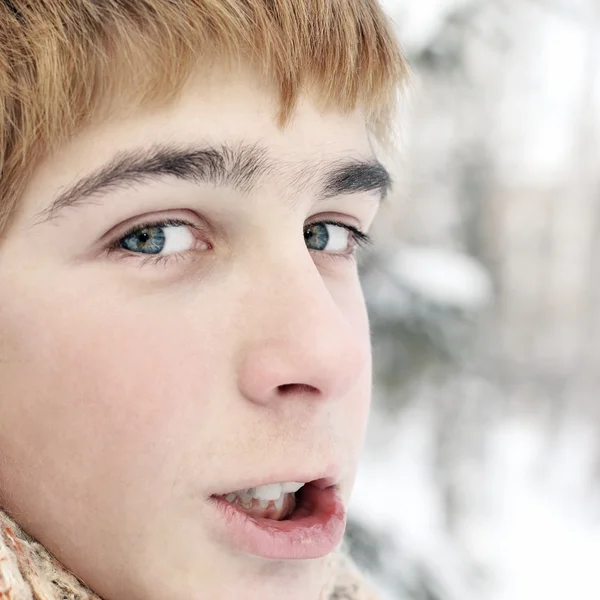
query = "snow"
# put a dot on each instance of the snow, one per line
(545, 531)
(419, 21)
(396, 492)
(536, 125)
(533, 528)
(442, 276)
(528, 523)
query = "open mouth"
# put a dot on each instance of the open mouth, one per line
(277, 502)
(308, 521)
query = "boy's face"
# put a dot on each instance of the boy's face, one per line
(190, 359)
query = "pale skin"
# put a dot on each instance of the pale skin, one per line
(130, 392)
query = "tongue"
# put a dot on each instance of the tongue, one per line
(254, 508)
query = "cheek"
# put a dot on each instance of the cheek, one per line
(97, 394)
(356, 418)
(351, 413)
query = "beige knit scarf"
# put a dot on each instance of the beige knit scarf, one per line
(29, 572)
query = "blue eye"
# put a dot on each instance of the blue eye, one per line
(317, 235)
(333, 237)
(168, 237)
(149, 240)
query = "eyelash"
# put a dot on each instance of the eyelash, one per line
(359, 240)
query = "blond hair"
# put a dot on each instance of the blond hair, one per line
(61, 61)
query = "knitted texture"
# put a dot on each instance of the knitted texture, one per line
(29, 572)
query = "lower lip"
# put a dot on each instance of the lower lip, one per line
(302, 536)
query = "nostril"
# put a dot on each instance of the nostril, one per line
(297, 388)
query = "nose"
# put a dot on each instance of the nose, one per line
(299, 339)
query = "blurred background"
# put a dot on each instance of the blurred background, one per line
(482, 462)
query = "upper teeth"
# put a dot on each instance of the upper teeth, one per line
(272, 491)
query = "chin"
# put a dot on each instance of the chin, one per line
(279, 580)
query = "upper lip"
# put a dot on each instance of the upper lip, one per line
(320, 479)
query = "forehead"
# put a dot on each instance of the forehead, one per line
(232, 109)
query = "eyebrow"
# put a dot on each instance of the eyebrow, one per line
(240, 168)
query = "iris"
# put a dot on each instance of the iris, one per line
(148, 240)
(318, 235)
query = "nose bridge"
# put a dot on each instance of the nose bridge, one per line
(296, 335)
(296, 293)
